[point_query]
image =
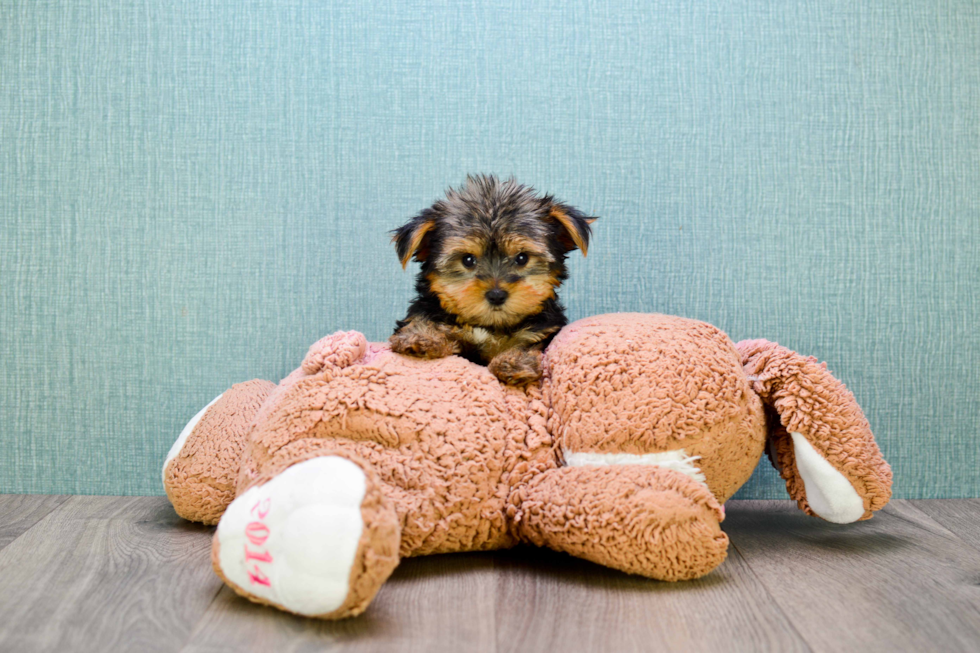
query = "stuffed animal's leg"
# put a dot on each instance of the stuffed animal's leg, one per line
(318, 539)
(200, 472)
(641, 519)
(821, 443)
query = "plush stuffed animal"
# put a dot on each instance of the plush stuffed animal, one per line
(641, 428)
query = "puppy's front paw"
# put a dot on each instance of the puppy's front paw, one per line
(516, 366)
(423, 343)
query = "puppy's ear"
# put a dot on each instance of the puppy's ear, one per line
(573, 227)
(412, 239)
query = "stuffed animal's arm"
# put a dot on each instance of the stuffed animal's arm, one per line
(200, 472)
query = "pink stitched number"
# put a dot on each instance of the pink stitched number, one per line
(258, 578)
(257, 533)
(264, 556)
(262, 507)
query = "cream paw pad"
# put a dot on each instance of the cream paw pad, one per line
(292, 542)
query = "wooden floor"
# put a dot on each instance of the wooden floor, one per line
(126, 574)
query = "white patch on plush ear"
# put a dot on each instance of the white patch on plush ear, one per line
(182, 438)
(677, 460)
(828, 492)
(292, 541)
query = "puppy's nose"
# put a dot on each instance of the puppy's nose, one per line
(496, 296)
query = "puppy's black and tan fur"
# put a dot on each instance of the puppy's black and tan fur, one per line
(492, 254)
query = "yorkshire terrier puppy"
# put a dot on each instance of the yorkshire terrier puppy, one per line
(492, 254)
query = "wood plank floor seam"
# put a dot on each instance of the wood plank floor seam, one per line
(197, 624)
(104, 573)
(734, 547)
(966, 519)
(20, 513)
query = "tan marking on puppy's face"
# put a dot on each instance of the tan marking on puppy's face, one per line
(512, 245)
(454, 248)
(466, 298)
(528, 295)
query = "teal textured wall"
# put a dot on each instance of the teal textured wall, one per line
(192, 193)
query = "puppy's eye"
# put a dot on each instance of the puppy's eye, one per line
(521, 259)
(469, 261)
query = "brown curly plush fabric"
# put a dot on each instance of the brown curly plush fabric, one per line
(641, 427)
(810, 401)
(638, 383)
(201, 481)
(639, 519)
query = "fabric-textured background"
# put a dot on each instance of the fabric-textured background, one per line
(192, 193)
